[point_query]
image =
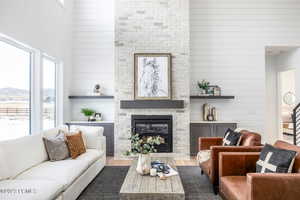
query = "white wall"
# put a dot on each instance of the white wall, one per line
(93, 55)
(272, 112)
(228, 40)
(44, 25)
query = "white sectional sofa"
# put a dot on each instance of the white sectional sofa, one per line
(26, 173)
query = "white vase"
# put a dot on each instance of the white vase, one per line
(144, 164)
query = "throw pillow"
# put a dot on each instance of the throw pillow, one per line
(275, 160)
(76, 145)
(56, 147)
(232, 138)
(74, 132)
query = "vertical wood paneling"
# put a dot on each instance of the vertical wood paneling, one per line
(93, 54)
(228, 40)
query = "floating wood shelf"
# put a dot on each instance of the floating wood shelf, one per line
(212, 97)
(90, 97)
(152, 104)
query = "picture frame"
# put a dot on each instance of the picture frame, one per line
(214, 90)
(152, 76)
(217, 91)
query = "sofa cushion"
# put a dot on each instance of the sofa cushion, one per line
(63, 172)
(234, 187)
(54, 131)
(29, 189)
(90, 156)
(23, 153)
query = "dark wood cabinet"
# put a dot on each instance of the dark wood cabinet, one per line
(108, 133)
(206, 130)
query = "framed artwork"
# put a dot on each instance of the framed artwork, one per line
(152, 76)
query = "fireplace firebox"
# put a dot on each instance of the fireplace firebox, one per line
(155, 125)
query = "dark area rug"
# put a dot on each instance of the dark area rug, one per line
(109, 181)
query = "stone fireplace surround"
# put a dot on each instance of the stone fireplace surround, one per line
(146, 26)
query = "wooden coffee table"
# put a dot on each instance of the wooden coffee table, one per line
(140, 187)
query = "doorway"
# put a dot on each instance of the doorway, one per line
(281, 91)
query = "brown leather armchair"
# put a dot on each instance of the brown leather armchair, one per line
(238, 180)
(251, 142)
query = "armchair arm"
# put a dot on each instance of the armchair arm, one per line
(243, 163)
(273, 186)
(204, 143)
(215, 150)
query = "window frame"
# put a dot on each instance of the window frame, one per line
(31, 52)
(56, 62)
(36, 85)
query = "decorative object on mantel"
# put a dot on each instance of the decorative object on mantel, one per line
(143, 147)
(208, 90)
(214, 114)
(98, 117)
(89, 113)
(97, 90)
(217, 91)
(203, 86)
(152, 76)
(209, 113)
(205, 111)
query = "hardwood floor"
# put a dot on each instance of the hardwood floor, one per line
(110, 161)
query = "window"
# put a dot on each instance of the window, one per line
(31, 87)
(49, 93)
(15, 93)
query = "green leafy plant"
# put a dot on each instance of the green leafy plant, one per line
(144, 145)
(203, 85)
(87, 112)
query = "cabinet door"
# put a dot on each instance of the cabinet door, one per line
(109, 134)
(220, 129)
(198, 130)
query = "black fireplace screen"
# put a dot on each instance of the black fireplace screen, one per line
(154, 125)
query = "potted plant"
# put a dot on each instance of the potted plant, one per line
(203, 86)
(143, 146)
(88, 113)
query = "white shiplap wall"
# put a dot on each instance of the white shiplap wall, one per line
(93, 55)
(228, 40)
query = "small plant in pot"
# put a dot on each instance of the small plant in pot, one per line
(89, 113)
(203, 86)
(143, 146)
